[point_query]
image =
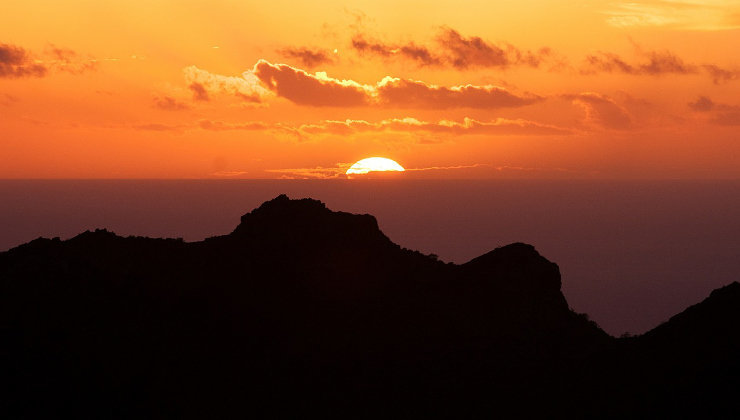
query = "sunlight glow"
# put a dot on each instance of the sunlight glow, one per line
(374, 164)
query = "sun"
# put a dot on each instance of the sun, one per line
(374, 164)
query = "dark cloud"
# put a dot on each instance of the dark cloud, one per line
(731, 118)
(307, 57)
(411, 51)
(472, 51)
(415, 94)
(720, 114)
(303, 88)
(657, 63)
(15, 62)
(720, 75)
(199, 92)
(702, 104)
(319, 89)
(364, 46)
(419, 54)
(454, 50)
(169, 103)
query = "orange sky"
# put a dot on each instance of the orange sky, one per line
(463, 89)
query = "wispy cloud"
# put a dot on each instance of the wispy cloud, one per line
(413, 126)
(654, 63)
(308, 57)
(720, 75)
(338, 171)
(452, 49)
(17, 62)
(467, 126)
(316, 172)
(199, 92)
(703, 15)
(228, 174)
(718, 113)
(8, 99)
(600, 110)
(159, 127)
(70, 61)
(169, 103)
(447, 168)
(224, 126)
(247, 86)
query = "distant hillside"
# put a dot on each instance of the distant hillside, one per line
(305, 310)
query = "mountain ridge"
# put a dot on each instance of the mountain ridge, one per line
(319, 308)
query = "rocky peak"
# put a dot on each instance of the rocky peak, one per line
(307, 220)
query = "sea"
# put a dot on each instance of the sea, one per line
(631, 253)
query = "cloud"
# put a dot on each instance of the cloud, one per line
(308, 57)
(405, 93)
(227, 174)
(199, 92)
(7, 99)
(158, 127)
(602, 110)
(339, 170)
(468, 126)
(224, 126)
(316, 89)
(453, 50)
(444, 168)
(169, 103)
(319, 89)
(654, 63)
(15, 62)
(422, 55)
(246, 87)
(67, 60)
(720, 75)
(701, 15)
(657, 63)
(721, 114)
(702, 104)
(475, 52)
(317, 172)
(500, 168)
(730, 118)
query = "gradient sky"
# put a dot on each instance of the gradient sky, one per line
(463, 89)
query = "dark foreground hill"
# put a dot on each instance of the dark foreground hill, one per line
(302, 310)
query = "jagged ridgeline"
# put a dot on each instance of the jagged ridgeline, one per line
(303, 310)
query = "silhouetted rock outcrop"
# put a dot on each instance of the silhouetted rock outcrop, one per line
(305, 310)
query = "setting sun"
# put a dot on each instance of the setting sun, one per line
(374, 164)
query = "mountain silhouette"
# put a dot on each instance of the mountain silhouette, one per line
(306, 311)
